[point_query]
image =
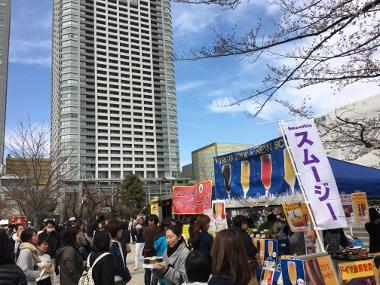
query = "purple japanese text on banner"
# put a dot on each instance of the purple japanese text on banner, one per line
(315, 173)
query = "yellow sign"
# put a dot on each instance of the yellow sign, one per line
(185, 231)
(356, 269)
(154, 207)
(327, 270)
(360, 205)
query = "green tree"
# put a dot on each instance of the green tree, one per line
(132, 193)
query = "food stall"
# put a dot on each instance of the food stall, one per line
(290, 173)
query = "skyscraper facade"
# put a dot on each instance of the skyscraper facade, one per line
(5, 15)
(113, 88)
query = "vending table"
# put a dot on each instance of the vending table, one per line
(270, 248)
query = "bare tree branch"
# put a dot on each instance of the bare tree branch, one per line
(334, 42)
(34, 174)
(352, 133)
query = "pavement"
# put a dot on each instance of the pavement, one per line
(137, 276)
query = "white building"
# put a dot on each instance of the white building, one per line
(361, 110)
(113, 88)
(5, 15)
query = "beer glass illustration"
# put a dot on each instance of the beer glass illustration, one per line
(218, 210)
(292, 271)
(270, 248)
(266, 172)
(244, 176)
(289, 173)
(226, 172)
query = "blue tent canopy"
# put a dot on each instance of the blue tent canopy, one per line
(352, 177)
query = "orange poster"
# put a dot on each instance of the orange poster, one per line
(297, 216)
(356, 269)
(360, 205)
(327, 270)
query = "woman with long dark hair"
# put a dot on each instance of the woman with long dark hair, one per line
(10, 273)
(69, 259)
(230, 264)
(199, 237)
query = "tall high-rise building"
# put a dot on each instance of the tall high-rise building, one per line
(5, 16)
(113, 88)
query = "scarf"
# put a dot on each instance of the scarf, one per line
(17, 241)
(171, 250)
(32, 248)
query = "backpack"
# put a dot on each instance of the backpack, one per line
(86, 278)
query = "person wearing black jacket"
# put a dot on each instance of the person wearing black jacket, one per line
(69, 259)
(373, 229)
(241, 225)
(125, 237)
(121, 271)
(10, 273)
(103, 272)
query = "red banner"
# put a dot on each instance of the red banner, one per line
(17, 221)
(192, 199)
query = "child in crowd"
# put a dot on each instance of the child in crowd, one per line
(46, 272)
(198, 268)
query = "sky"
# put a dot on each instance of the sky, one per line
(202, 86)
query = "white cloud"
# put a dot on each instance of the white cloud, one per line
(23, 45)
(273, 111)
(41, 61)
(190, 86)
(30, 52)
(219, 93)
(222, 105)
(192, 19)
(30, 41)
(322, 100)
(29, 132)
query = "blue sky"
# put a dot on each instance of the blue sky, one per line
(201, 85)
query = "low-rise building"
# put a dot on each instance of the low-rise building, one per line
(203, 158)
(340, 132)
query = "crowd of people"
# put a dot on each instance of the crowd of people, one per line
(100, 249)
(32, 257)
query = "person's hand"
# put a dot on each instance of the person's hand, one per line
(44, 265)
(162, 266)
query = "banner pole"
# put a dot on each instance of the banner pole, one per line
(319, 237)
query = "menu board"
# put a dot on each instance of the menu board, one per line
(218, 217)
(360, 205)
(266, 248)
(297, 216)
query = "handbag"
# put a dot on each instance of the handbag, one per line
(128, 248)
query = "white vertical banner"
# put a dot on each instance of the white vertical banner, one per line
(315, 173)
